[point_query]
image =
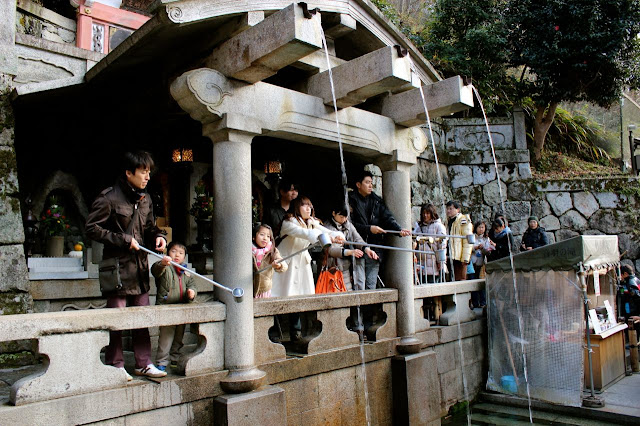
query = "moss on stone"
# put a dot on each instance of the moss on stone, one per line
(13, 303)
(459, 407)
(8, 170)
(18, 359)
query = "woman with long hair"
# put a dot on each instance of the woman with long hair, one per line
(299, 229)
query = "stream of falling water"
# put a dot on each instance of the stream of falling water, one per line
(346, 203)
(455, 294)
(513, 272)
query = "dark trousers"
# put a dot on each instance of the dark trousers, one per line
(141, 341)
(460, 270)
(478, 298)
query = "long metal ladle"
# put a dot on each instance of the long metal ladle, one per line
(237, 292)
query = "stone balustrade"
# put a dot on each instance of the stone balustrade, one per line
(72, 341)
(456, 295)
(332, 312)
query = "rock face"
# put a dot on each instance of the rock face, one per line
(560, 202)
(585, 203)
(564, 208)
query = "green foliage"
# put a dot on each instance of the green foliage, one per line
(574, 50)
(20, 359)
(409, 27)
(468, 38)
(546, 50)
(573, 134)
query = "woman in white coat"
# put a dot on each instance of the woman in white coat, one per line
(299, 229)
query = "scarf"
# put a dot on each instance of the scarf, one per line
(503, 233)
(178, 270)
(259, 253)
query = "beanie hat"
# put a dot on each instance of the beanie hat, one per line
(533, 218)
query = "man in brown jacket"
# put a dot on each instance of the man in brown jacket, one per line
(110, 223)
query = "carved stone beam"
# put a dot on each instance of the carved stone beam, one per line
(338, 25)
(369, 75)
(236, 26)
(442, 98)
(262, 50)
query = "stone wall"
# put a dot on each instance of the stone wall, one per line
(565, 208)
(33, 19)
(338, 397)
(14, 296)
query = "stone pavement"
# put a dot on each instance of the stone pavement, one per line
(623, 397)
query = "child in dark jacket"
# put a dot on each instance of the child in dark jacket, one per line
(174, 286)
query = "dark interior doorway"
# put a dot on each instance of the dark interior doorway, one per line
(315, 169)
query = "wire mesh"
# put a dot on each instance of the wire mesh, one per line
(553, 334)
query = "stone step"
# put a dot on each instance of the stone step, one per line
(539, 417)
(79, 275)
(485, 419)
(39, 262)
(57, 269)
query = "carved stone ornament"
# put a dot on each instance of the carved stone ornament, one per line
(175, 14)
(418, 139)
(210, 88)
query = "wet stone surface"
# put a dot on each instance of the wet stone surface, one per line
(9, 376)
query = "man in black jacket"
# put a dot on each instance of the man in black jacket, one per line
(371, 217)
(276, 213)
(110, 223)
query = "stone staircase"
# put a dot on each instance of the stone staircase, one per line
(494, 414)
(497, 409)
(56, 268)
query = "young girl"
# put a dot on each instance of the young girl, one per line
(430, 223)
(341, 256)
(503, 239)
(264, 253)
(299, 229)
(480, 249)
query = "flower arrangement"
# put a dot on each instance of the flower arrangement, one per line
(202, 207)
(53, 220)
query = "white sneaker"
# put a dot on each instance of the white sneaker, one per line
(129, 378)
(149, 371)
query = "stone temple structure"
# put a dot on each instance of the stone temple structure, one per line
(245, 76)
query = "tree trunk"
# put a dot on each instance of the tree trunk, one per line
(541, 127)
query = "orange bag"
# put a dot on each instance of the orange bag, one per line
(330, 281)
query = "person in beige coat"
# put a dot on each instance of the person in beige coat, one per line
(299, 229)
(459, 248)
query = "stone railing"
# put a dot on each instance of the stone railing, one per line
(72, 341)
(430, 300)
(332, 312)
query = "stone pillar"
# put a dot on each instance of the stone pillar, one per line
(8, 58)
(399, 265)
(232, 261)
(14, 296)
(416, 389)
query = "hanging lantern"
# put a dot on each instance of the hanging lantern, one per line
(183, 155)
(273, 167)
